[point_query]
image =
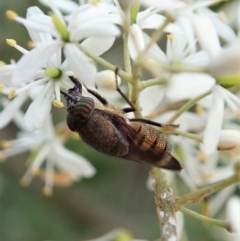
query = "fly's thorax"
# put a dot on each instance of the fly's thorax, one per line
(79, 111)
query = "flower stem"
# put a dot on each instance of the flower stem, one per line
(187, 106)
(106, 64)
(151, 82)
(201, 193)
(220, 223)
(165, 206)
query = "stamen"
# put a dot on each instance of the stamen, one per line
(31, 44)
(34, 171)
(11, 14)
(199, 109)
(5, 144)
(58, 104)
(11, 42)
(47, 191)
(2, 86)
(170, 36)
(202, 157)
(2, 64)
(12, 94)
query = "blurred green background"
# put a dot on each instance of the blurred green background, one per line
(116, 197)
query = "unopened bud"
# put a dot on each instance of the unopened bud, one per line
(107, 79)
(229, 141)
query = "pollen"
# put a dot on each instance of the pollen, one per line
(2, 157)
(47, 191)
(11, 14)
(222, 15)
(170, 37)
(2, 86)
(199, 109)
(208, 177)
(24, 182)
(12, 94)
(11, 42)
(2, 64)
(94, 2)
(238, 114)
(202, 157)
(31, 44)
(5, 144)
(63, 179)
(58, 104)
(34, 171)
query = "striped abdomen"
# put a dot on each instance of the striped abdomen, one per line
(78, 112)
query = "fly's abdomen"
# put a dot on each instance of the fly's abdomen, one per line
(79, 112)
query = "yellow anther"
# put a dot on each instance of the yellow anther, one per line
(62, 179)
(222, 15)
(31, 44)
(2, 86)
(11, 42)
(34, 171)
(24, 182)
(170, 36)
(58, 104)
(5, 144)
(2, 64)
(2, 157)
(238, 114)
(12, 94)
(47, 191)
(11, 14)
(94, 2)
(202, 157)
(199, 109)
(208, 177)
(75, 136)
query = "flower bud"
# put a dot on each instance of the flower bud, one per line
(229, 141)
(106, 79)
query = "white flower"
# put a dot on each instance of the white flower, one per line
(232, 213)
(87, 21)
(47, 148)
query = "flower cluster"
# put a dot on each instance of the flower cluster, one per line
(194, 83)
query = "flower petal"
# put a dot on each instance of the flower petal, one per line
(39, 109)
(28, 66)
(207, 35)
(189, 85)
(81, 64)
(214, 124)
(98, 45)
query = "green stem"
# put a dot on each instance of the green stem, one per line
(188, 135)
(106, 64)
(201, 193)
(220, 223)
(127, 60)
(165, 206)
(151, 82)
(187, 106)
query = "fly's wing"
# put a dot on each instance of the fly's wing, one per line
(147, 145)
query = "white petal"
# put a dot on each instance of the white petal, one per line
(81, 64)
(10, 110)
(214, 124)
(98, 45)
(227, 62)
(189, 85)
(233, 213)
(155, 51)
(135, 41)
(28, 66)
(64, 5)
(207, 35)
(150, 98)
(73, 163)
(39, 109)
(95, 29)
